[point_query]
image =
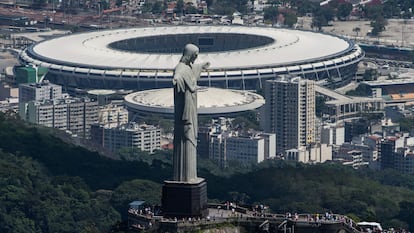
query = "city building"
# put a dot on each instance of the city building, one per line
(340, 107)
(75, 115)
(269, 144)
(103, 97)
(131, 135)
(395, 91)
(389, 127)
(203, 141)
(82, 113)
(229, 146)
(332, 134)
(355, 127)
(8, 92)
(290, 112)
(398, 111)
(112, 114)
(39, 91)
(28, 74)
(397, 153)
(212, 102)
(49, 113)
(241, 57)
(356, 155)
(315, 153)
(216, 126)
(404, 161)
(354, 159)
(373, 141)
(387, 152)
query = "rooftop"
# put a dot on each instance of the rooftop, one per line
(281, 46)
(210, 100)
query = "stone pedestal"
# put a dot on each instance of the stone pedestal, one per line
(181, 199)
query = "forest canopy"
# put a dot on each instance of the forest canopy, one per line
(48, 185)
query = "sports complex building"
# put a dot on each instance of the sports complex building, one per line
(210, 102)
(240, 57)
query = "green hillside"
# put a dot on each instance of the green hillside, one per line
(44, 180)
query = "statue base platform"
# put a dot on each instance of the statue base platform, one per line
(182, 200)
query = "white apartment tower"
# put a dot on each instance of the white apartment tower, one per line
(252, 149)
(112, 114)
(130, 135)
(73, 114)
(39, 91)
(290, 112)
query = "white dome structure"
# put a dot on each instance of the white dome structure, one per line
(210, 102)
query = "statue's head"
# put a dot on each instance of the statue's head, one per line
(190, 53)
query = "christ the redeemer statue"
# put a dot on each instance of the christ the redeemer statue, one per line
(186, 194)
(186, 74)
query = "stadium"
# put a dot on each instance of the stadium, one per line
(241, 57)
(210, 102)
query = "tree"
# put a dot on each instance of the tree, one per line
(270, 14)
(290, 19)
(356, 30)
(157, 8)
(305, 6)
(373, 12)
(147, 7)
(32, 201)
(322, 17)
(392, 9)
(378, 25)
(343, 10)
(318, 22)
(190, 9)
(361, 90)
(129, 191)
(370, 75)
(407, 213)
(320, 105)
(247, 120)
(407, 124)
(104, 5)
(179, 8)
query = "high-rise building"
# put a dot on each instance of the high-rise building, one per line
(228, 146)
(110, 114)
(269, 145)
(73, 114)
(7, 91)
(332, 134)
(49, 113)
(39, 91)
(404, 161)
(82, 113)
(130, 135)
(290, 112)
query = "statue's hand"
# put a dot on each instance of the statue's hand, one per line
(206, 65)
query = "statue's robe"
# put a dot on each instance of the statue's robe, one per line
(185, 122)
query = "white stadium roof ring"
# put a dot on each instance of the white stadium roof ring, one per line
(211, 102)
(240, 57)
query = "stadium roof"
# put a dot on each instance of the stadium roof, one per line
(210, 101)
(92, 49)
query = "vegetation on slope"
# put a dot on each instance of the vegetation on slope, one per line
(44, 180)
(32, 201)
